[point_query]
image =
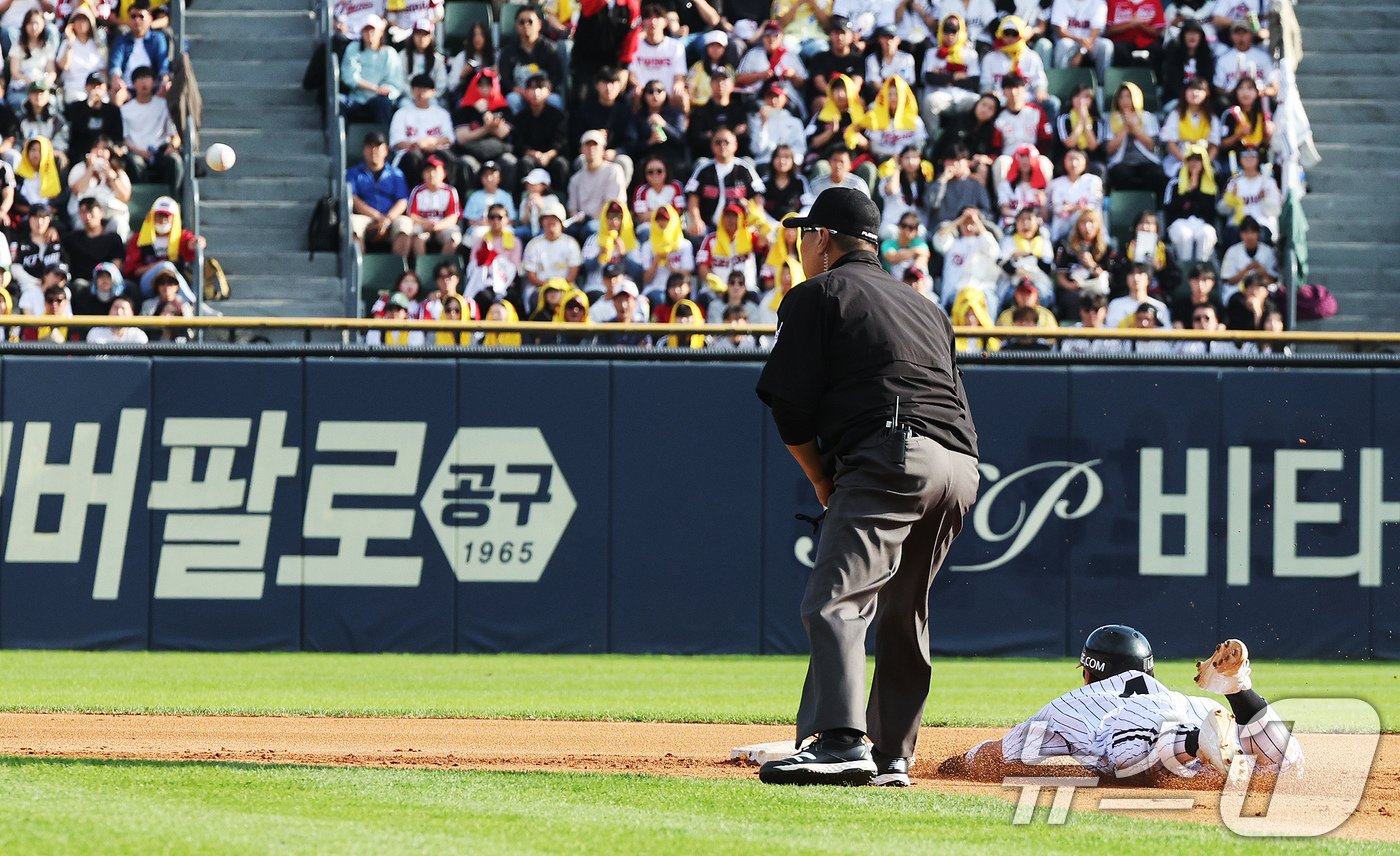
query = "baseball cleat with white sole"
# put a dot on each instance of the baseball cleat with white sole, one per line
(1227, 670)
(1218, 743)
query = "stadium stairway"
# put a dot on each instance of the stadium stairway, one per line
(1347, 79)
(250, 56)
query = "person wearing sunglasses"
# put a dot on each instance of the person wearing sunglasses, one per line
(527, 55)
(865, 394)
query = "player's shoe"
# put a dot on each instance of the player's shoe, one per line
(824, 761)
(891, 771)
(1218, 743)
(1227, 670)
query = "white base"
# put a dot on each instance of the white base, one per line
(761, 753)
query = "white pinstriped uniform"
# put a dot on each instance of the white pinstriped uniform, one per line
(1113, 724)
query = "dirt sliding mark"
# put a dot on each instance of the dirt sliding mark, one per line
(668, 749)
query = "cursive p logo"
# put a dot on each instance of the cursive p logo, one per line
(1055, 500)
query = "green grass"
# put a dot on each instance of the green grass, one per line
(114, 807)
(977, 692)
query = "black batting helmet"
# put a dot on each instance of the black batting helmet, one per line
(1116, 648)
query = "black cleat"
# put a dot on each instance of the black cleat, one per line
(891, 771)
(824, 762)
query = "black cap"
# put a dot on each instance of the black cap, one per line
(1012, 79)
(612, 269)
(376, 138)
(1116, 648)
(886, 30)
(40, 208)
(422, 81)
(838, 22)
(57, 268)
(843, 210)
(96, 78)
(490, 166)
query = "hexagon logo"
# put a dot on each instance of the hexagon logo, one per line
(498, 505)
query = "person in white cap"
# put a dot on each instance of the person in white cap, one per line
(537, 196)
(599, 181)
(408, 13)
(349, 16)
(550, 255)
(421, 56)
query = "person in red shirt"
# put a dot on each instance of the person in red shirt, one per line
(161, 239)
(1135, 27)
(436, 211)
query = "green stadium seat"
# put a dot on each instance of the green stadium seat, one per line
(1124, 206)
(143, 196)
(1062, 81)
(378, 272)
(425, 264)
(355, 133)
(458, 22)
(506, 23)
(1143, 77)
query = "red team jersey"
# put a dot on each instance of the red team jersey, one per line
(434, 204)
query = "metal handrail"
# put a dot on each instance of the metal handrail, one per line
(190, 200)
(354, 306)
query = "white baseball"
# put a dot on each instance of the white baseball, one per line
(220, 157)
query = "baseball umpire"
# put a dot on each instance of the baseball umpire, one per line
(865, 394)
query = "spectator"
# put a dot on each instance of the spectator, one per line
(950, 74)
(166, 283)
(421, 56)
(39, 170)
(956, 189)
(101, 178)
(736, 316)
(533, 201)
(892, 122)
(1023, 181)
(975, 132)
(606, 35)
(840, 175)
(1021, 123)
(1250, 257)
(1093, 308)
(1251, 193)
(455, 308)
(839, 59)
(422, 130)
(656, 129)
(969, 309)
(538, 132)
(787, 274)
(446, 290)
(615, 241)
(666, 253)
(482, 200)
(34, 251)
(396, 308)
(408, 287)
(1147, 247)
(1248, 309)
(1190, 207)
(1189, 124)
(969, 257)
(478, 54)
(782, 252)
(502, 312)
(732, 246)
(656, 190)
(81, 55)
(677, 289)
(551, 255)
(1071, 193)
(608, 108)
(1121, 309)
(436, 211)
(56, 307)
(482, 128)
(659, 58)
(119, 307)
(373, 71)
(1136, 28)
(1133, 163)
(551, 298)
(92, 118)
(1082, 261)
(1247, 124)
(602, 311)
(907, 248)
(160, 12)
(94, 293)
(597, 184)
(1187, 58)
(804, 23)
(495, 259)
(572, 309)
(39, 118)
(1083, 129)
(736, 293)
(1147, 317)
(1079, 35)
(1244, 61)
(152, 140)
(379, 204)
(1010, 57)
(725, 109)
(785, 189)
(179, 334)
(921, 282)
(713, 57)
(629, 311)
(1206, 317)
(139, 48)
(1028, 256)
(720, 182)
(31, 59)
(888, 62)
(770, 61)
(528, 57)
(1023, 302)
(1225, 14)
(92, 243)
(349, 18)
(161, 240)
(904, 183)
(1200, 291)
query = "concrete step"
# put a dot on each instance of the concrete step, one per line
(289, 69)
(1327, 16)
(272, 44)
(1367, 208)
(1344, 156)
(1369, 40)
(247, 260)
(250, 24)
(321, 289)
(1346, 62)
(250, 188)
(274, 118)
(1329, 113)
(1356, 254)
(1323, 229)
(241, 236)
(1362, 83)
(1380, 134)
(287, 307)
(256, 5)
(289, 214)
(223, 95)
(1327, 178)
(256, 160)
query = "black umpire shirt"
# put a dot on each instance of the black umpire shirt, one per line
(849, 341)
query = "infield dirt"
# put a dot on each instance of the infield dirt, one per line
(668, 749)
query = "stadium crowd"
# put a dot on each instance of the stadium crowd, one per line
(1086, 162)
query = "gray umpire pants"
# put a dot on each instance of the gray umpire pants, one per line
(887, 530)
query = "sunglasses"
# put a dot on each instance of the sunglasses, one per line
(495, 216)
(525, 22)
(908, 225)
(1202, 317)
(723, 141)
(656, 172)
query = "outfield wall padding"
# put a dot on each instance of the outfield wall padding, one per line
(586, 506)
